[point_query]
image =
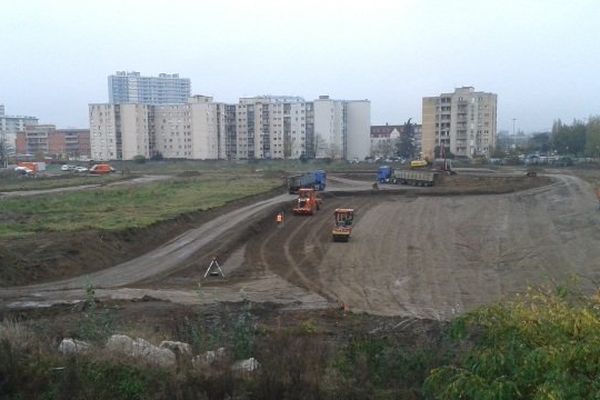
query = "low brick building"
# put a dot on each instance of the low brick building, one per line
(52, 142)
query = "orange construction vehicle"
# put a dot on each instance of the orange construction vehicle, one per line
(308, 202)
(342, 229)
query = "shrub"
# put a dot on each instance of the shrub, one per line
(139, 159)
(94, 325)
(543, 345)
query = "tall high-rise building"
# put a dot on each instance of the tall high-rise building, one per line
(131, 87)
(465, 122)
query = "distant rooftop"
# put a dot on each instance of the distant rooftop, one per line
(138, 75)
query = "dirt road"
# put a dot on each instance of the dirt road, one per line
(136, 181)
(417, 255)
(165, 258)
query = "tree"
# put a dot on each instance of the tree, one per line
(405, 147)
(592, 137)
(333, 151)
(569, 139)
(384, 148)
(318, 144)
(438, 154)
(499, 152)
(540, 142)
(4, 150)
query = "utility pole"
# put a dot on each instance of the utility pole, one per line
(514, 120)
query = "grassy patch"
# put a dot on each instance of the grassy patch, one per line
(120, 208)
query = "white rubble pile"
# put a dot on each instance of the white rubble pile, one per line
(73, 346)
(141, 348)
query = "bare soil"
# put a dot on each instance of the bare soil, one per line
(418, 253)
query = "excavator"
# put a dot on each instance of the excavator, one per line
(308, 202)
(342, 229)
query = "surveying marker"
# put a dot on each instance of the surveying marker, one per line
(214, 269)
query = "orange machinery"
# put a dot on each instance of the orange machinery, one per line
(307, 203)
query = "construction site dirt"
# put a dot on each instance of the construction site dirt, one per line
(415, 252)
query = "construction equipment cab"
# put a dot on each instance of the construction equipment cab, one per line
(343, 218)
(418, 164)
(307, 202)
(384, 174)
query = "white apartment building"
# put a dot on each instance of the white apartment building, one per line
(342, 128)
(131, 87)
(10, 125)
(330, 128)
(120, 131)
(271, 127)
(358, 125)
(208, 128)
(262, 127)
(464, 121)
(200, 129)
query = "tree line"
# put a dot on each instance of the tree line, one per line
(577, 139)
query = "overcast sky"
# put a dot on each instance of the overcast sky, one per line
(542, 58)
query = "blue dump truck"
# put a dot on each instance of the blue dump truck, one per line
(384, 174)
(314, 180)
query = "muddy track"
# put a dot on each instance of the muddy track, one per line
(436, 257)
(144, 179)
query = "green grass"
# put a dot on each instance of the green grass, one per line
(120, 208)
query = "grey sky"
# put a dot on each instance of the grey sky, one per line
(541, 57)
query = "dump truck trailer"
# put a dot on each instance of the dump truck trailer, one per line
(414, 178)
(310, 180)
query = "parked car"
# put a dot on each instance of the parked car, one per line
(101, 169)
(24, 171)
(68, 167)
(81, 169)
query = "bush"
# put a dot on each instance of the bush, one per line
(139, 159)
(543, 345)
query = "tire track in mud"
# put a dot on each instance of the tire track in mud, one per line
(438, 256)
(295, 250)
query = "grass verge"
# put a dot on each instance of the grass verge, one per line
(122, 208)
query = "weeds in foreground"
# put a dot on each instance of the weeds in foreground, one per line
(94, 325)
